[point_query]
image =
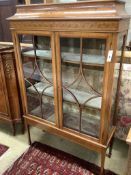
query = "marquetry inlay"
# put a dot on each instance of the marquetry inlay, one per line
(65, 25)
(8, 66)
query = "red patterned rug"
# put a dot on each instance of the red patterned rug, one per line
(41, 159)
(3, 149)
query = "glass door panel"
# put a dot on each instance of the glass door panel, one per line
(36, 55)
(82, 67)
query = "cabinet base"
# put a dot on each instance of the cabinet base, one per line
(88, 143)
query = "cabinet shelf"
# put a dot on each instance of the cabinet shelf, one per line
(80, 95)
(48, 112)
(68, 57)
(89, 123)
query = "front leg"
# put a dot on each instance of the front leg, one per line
(103, 155)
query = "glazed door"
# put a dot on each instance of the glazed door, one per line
(38, 60)
(82, 58)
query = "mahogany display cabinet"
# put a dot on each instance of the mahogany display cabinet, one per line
(67, 73)
(10, 110)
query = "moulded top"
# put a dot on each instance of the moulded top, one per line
(91, 9)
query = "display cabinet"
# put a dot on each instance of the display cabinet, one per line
(67, 72)
(10, 110)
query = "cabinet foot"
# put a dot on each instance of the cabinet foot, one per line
(13, 128)
(23, 127)
(110, 148)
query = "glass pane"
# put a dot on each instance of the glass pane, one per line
(36, 1)
(30, 1)
(63, 1)
(21, 2)
(36, 57)
(48, 1)
(82, 77)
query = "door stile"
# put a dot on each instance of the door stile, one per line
(58, 62)
(54, 70)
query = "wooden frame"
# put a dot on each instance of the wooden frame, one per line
(66, 21)
(78, 35)
(23, 90)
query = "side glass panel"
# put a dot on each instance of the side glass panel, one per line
(36, 57)
(82, 67)
(117, 83)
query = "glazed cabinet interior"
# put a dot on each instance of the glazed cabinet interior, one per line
(66, 78)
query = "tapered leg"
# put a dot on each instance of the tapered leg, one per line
(111, 146)
(28, 132)
(103, 155)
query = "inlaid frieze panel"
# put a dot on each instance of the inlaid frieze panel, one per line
(66, 25)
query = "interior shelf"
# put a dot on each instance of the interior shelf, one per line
(48, 112)
(80, 95)
(69, 57)
(90, 124)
